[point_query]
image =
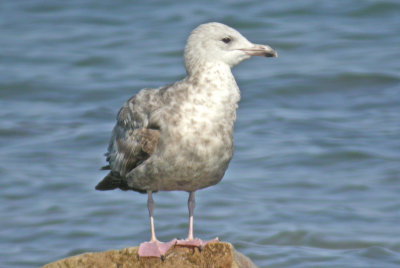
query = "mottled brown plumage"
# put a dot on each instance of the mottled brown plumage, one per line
(148, 139)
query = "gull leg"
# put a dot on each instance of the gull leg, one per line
(153, 248)
(191, 206)
(190, 241)
(150, 207)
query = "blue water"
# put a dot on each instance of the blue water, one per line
(315, 179)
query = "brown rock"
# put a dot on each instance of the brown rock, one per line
(213, 255)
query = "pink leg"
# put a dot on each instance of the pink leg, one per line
(150, 207)
(153, 248)
(191, 206)
(190, 241)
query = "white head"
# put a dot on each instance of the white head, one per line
(216, 42)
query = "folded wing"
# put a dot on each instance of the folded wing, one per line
(133, 140)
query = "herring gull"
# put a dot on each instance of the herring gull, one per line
(180, 136)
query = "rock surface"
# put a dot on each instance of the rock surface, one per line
(213, 255)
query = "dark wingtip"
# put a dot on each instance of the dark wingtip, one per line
(99, 187)
(110, 182)
(113, 181)
(104, 187)
(105, 167)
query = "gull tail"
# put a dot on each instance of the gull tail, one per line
(105, 167)
(112, 181)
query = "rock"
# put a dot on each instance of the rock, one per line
(215, 254)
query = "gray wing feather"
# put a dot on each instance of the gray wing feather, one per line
(131, 141)
(134, 137)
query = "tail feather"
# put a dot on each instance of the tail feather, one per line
(105, 167)
(110, 182)
(113, 181)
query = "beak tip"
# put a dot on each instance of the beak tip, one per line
(261, 50)
(271, 54)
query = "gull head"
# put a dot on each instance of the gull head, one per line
(216, 42)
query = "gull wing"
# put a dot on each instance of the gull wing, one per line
(133, 139)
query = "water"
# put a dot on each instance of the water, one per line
(315, 177)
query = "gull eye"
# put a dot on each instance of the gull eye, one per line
(226, 40)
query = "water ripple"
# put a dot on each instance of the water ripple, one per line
(315, 177)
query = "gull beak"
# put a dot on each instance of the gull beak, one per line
(260, 50)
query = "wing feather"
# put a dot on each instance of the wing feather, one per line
(132, 142)
(134, 139)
